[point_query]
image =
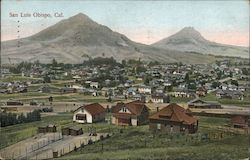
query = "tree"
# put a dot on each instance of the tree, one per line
(231, 74)
(21, 118)
(140, 69)
(46, 79)
(54, 63)
(234, 82)
(215, 84)
(124, 62)
(187, 78)
(170, 88)
(147, 79)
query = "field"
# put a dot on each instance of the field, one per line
(140, 143)
(12, 134)
(212, 97)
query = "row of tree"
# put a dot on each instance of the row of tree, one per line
(7, 119)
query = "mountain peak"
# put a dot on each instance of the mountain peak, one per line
(190, 32)
(79, 18)
(189, 29)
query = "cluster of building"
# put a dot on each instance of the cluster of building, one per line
(155, 83)
(172, 118)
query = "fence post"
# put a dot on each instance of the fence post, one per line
(26, 152)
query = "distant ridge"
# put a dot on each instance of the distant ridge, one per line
(190, 40)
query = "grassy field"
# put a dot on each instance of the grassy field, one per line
(17, 77)
(140, 143)
(43, 97)
(15, 133)
(212, 97)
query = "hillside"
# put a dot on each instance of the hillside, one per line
(190, 40)
(74, 39)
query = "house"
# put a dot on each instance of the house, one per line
(223, 86)
(89, 113)
(130, 114)
(73, 131)
(46, 128)
(182, 92)
(198, 103)
(94, 85)
(144, 89)
(68, 90)
(201, 91)
(130, 92)
(167, 83)
(240, 122)
(173, 119)
(21, 90)
(160, 90)
(160, 98)
(229, 94)
(14, 103)
(44, 89)
(139, 97)
(3, 91)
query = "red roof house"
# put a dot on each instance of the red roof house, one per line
(89, 113)
(173, 118)
(133, 113)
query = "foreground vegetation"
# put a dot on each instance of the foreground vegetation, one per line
(140, 143)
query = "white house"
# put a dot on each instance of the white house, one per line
(94, 85)
(144, 89)
(89, 113)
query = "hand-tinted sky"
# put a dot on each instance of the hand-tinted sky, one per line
(142, 21)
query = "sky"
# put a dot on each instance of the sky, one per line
(146, 22)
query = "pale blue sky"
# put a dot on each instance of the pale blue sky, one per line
(142, 21)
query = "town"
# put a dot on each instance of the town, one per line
(102, 109)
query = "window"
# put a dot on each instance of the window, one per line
(81, 117)
(159, 126)
(124, 109)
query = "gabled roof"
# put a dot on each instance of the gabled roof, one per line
(196, 100)
(200, 102)
(135, 107)
(176, 113)
(93, 109)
